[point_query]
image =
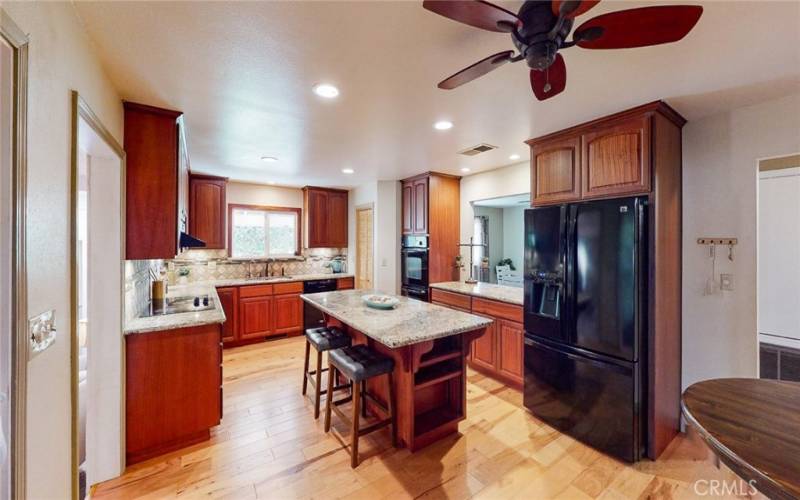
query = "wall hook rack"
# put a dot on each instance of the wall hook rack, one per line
(729, 242)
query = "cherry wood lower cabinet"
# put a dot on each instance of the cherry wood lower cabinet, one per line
(173, 389)
(345, 283)
(499, 351)
(256, 312)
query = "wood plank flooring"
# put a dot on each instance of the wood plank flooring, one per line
(270, 446)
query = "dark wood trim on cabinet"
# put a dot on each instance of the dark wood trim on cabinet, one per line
(267, 208)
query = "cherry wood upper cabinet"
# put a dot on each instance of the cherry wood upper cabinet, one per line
(408, 207)
(556, 171)
(207, 209)
(325, 217)
(609, 157)
(420, 210)
(616, 159)
(152, 147)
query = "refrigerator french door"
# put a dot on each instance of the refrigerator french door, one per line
(585, 318)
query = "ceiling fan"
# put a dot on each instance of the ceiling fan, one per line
(541, 28)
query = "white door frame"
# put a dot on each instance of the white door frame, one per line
(19, 294)
(82, 111)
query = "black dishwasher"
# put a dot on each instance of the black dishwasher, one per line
(312, 317)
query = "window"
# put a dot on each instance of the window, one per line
(256, 232)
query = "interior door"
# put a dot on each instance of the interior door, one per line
(605, 277)
(364, 248)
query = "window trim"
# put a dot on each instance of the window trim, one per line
(265, 208)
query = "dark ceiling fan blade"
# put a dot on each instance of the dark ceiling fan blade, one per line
(572, 8)
(476, 13)
(551, 81)
(638, 27)
(480, 68)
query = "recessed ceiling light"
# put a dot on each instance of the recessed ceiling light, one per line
(465, 169)
(271, 183)
(326, 90)
(513, 157)
(347, 170)
(269, 159)
(443, 125)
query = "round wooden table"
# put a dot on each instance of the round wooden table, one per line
(753, 426)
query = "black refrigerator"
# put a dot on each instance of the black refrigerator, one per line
(585, 321)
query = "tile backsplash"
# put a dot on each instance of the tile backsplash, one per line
(204, 265)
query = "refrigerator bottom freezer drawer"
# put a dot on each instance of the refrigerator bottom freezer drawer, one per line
(591, 400)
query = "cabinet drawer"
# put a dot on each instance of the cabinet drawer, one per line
(255, 291)
(457, 300)
(345, 283)
(503, 310)
(293, 287)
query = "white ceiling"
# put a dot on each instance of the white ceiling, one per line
(242, 73)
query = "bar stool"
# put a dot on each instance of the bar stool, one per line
(358, 364)
(323, 339)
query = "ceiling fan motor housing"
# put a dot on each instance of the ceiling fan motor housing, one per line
(533, 40)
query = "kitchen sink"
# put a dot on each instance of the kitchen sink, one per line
(268, 279)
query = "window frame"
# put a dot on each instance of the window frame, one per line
(264, 208)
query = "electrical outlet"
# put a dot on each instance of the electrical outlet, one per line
(726, 282)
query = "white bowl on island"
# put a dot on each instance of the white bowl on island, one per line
(380, 301)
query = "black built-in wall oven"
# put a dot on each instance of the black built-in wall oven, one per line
(414, 264)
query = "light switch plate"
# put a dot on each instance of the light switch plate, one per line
(726, 282)
(41, 332)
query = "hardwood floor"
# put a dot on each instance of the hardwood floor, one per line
(270, 446)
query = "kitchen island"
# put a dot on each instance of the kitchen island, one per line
(429, 345)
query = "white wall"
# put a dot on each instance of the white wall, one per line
(262, 194)
(506, 181)
(384, 197)
(514, 235)
(719, 199)
(779, 256)
(60, 59)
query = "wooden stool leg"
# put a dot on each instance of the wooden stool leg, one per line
(329, 399)
(318, 389)
(363, 392)
(305, 368)
(391, 404)
(354, 438)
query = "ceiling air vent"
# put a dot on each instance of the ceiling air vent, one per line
(476, 150)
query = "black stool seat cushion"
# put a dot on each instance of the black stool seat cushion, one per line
(325, 339)
(359, 362)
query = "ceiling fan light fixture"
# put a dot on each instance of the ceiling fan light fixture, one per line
(326, 90)
(443, 125)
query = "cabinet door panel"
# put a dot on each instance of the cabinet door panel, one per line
(555, 171)
(421, 206)
(229, 300)
(317, 218)
(337, 220)
(616, 159)
(288, 313)
(483, 348)
(510, 348)
(207, 211)
(408, 207)
(255, 317)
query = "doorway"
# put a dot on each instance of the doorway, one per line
(13, 291)
(98, 174)
(778, 289)
(364, 248)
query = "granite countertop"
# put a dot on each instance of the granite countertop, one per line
(509, 294)
(276, 279)
(180, 320)
(411, 322)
